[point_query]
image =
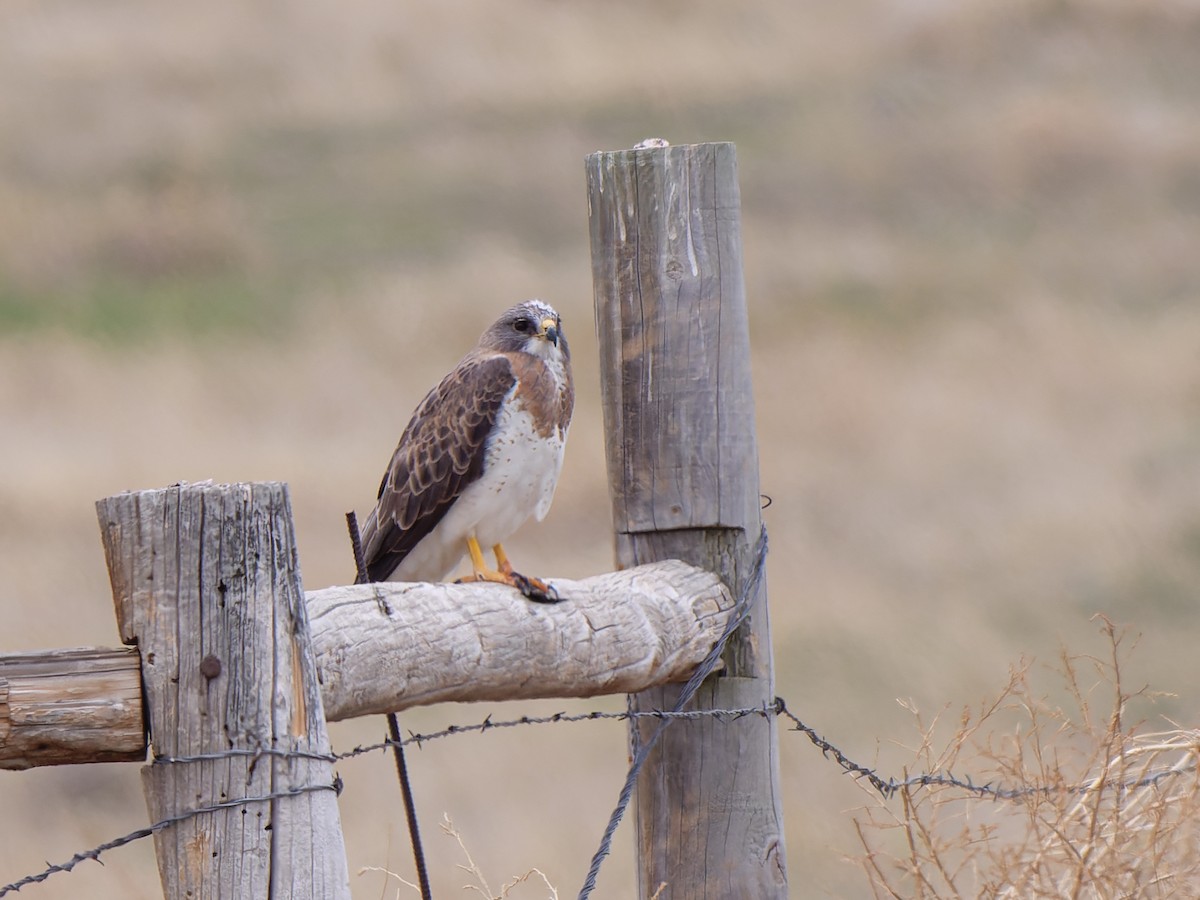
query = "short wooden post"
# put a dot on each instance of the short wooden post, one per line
(206, 584)
(683, 475)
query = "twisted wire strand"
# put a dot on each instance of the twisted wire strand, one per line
(706, 668)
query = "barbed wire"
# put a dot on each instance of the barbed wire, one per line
(488, 724)
(138, 834)
(886, 787)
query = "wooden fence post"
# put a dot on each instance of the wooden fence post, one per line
(206, 583)
(683, 475)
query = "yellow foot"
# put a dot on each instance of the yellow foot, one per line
(531, 588)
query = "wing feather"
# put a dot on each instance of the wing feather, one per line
(441, 452)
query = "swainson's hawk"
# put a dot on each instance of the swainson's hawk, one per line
(481, 455)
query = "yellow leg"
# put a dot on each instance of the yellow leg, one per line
(502, 562)
(533, 588)
(477, 563)
(480, 568)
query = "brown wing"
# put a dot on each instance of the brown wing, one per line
(440, 453)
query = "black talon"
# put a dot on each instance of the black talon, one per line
(532, 592)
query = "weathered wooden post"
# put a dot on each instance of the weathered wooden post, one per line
(683, 475)
(206, 584)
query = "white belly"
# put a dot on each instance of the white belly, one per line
(519, 477)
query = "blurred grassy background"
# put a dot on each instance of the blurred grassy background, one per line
(240, 240)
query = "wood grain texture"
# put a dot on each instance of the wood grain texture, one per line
(670, 312)
(683, 473)
(390, 646)
(70, 706)
(206, 584)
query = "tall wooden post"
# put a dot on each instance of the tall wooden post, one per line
(207, 585)
(683, 475)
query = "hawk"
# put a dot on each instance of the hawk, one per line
(481, 454)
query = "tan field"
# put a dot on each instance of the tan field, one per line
(240, 241)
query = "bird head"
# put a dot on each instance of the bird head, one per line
(532, 327)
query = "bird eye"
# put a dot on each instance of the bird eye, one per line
(522, 325)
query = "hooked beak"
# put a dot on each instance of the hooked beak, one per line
(550, 330)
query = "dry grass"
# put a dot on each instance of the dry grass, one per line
(478, 883)
(239, 242)
(1104, 807)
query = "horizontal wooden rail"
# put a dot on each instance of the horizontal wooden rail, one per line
(388, 647)
(69, 706)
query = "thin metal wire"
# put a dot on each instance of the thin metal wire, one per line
(410, 804)
(706, 668)
(94, 853)
(488, 724)
(887, 787)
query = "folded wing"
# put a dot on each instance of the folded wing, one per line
(441, 452)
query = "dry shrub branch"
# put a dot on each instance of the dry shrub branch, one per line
(1110, 809)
